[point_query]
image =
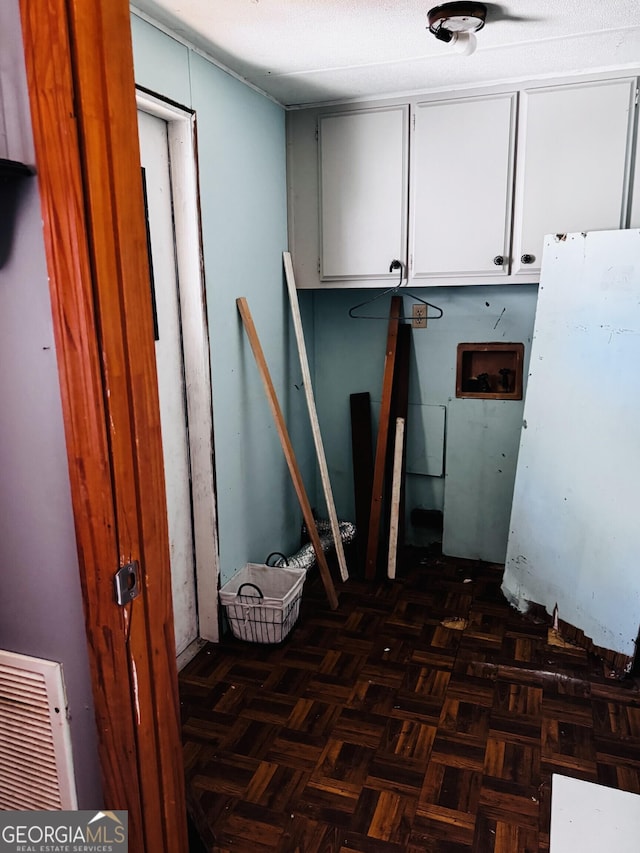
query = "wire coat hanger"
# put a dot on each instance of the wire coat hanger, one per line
(398, 288)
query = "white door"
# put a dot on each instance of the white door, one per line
(154, 155)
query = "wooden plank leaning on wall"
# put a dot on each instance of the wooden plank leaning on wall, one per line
(375, 516)
(287, 449)
(80, 73)
(362, 455)
(313, 416)
(399, 409)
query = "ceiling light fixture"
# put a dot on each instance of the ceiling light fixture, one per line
(456, 24)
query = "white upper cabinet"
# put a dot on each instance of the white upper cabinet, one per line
(462, 178)
(468, 194)
(363, 172)
(572, 163)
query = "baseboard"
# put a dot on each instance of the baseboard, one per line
(619, 664)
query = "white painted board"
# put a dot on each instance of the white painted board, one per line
(590, 818)
(313, 415)
(396, 486)
(574, 533)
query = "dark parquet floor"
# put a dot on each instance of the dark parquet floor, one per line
(389, 726)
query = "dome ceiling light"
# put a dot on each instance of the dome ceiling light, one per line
(457, 23)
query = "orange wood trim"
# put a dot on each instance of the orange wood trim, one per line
(59, 178)
(287, 448)
(395, 312)
(80, 71)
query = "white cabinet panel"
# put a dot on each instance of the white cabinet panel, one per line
(363, 192)
(634, 219)
(479, 178)
(592, 818)
(572, 163)
(462, 169)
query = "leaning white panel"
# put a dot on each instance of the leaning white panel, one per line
(591, 818)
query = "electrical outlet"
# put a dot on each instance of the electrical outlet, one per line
(419, 316)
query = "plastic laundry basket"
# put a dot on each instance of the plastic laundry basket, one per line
(262, 602)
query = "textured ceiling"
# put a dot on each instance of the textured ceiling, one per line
(311, 51)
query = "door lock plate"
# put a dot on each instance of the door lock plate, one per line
(127, 583)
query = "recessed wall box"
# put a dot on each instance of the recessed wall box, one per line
(490, 371)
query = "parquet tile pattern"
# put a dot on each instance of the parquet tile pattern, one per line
(375, 728)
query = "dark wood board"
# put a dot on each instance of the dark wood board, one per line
(375, 516)
(399, 409)
(362, 455)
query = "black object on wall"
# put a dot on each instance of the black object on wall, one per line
(11, 182)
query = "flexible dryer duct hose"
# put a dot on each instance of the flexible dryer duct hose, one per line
(305, 558)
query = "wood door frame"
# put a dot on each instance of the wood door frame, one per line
(183, 147)
(79, 65)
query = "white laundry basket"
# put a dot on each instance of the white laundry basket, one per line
(262, 602)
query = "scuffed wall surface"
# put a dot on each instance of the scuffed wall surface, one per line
(242, 174)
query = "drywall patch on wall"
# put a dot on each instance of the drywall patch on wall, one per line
(482, 451)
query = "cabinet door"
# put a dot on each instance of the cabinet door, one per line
(463, 174)
(572, 163)
(363, 192)
(634, 216)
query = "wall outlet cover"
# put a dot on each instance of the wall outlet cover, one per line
(418, 316)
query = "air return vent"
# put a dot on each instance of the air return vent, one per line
(36, 770)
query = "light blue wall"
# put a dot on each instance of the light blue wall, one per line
(241, 150)
(161, 63)
(349, 358)
(241, 141)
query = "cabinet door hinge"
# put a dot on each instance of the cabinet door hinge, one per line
(317, 131)
(318, 266)
(637, 90)
(413, 121)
